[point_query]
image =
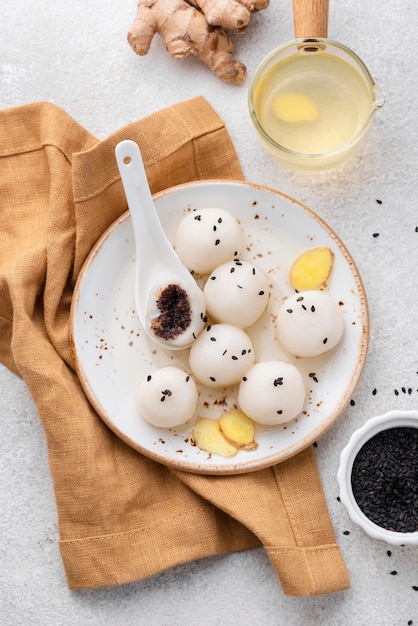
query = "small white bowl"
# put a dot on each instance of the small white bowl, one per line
(392, 419)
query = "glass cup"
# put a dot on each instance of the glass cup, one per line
(331, 102)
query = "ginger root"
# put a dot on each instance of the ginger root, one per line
(196, 28)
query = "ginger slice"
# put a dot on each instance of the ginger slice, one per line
(311, 269)
(295, 107)
(238, 429)
(207, 436)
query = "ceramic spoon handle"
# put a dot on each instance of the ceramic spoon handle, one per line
(310, 18)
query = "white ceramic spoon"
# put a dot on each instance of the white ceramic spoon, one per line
(170, 304)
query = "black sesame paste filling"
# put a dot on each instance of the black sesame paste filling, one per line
(175, 313)
(384, 479)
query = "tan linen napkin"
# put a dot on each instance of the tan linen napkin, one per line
(122, 516)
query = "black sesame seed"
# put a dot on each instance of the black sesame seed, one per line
(393, 572)
(396, 392)
(415, 587)
(243, 352)
(224, 352)
(385, 479)
(166, 392)
(278, 381)
(375, 235)
(149, 377)
(232, 270)
(213, 277)
(289, 310)
(374, 392)
(313, 309)
(208, 327)
(379, 201)
(213, 338)
(217, 242)
(389, 553)
(253, 271)
(304, 307)
(234, 358)
(352, 402)
(212, 378)
(279, 412)
(325, 339)
(214, 228)
(261, 293)
(346, 532)
(244, 378)
(299, 299)
(187, 379)
(219, 220)
(198, 217)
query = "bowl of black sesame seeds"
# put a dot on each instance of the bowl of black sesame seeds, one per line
(378, 477)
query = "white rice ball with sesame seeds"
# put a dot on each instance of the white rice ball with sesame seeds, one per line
(272, 392)
(221, 355)
(167, 397)
(237, 292)
(206, 238)
(309, 323)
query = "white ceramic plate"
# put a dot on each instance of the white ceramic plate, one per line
(113, 354)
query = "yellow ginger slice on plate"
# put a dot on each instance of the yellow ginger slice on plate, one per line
(208, 436)
(238, 429)
(311, 269)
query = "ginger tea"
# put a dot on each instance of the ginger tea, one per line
(312, 102)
